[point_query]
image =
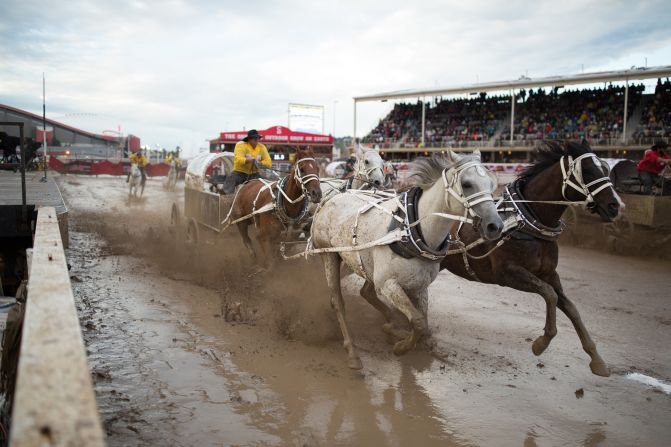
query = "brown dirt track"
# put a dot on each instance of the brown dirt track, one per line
(171, 370)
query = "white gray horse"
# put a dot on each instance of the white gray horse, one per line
(368, 174)
(135, 182)
(453, 186)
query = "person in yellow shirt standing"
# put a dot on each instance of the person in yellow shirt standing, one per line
(141, 161)
(249, 155)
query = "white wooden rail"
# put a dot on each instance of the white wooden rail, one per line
(54, 402)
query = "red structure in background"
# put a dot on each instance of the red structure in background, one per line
(106, 167)
(133, 143)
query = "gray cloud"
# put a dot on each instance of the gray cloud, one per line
(179, 72)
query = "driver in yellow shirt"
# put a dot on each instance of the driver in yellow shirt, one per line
(249, 155)
(140, 160)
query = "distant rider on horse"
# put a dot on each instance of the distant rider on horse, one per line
(172, 156)
(141, 161)
(249, 154)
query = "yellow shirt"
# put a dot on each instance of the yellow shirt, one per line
(138, 159)
(170, 158)
(240, 161)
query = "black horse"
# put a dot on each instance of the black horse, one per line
(528, 260)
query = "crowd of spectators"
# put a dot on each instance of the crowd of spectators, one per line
(656, 115)
(592, 114)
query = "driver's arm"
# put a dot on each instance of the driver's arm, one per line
(266, 162)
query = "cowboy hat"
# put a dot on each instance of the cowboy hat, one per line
(252, 134)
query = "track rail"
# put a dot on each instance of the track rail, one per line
(54, 401)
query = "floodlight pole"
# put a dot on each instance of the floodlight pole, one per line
(354, 131)
(624, 119)
(512, 115)
(423, 120)
(44, 127)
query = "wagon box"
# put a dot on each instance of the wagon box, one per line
(652, 211)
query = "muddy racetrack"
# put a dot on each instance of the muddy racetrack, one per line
(196, 347)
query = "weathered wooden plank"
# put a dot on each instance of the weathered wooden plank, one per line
(54, 402)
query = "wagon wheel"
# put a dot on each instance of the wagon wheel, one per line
(192, 232)
(617, 232)
(570, 219)
(621, 228)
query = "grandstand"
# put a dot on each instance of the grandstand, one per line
(615, 114)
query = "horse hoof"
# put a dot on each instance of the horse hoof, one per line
(354, 363)
(539, 345)
(403, 347)
(599, 368)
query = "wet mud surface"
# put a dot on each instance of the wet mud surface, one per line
(195, 346)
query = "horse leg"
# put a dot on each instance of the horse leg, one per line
(520, 278)
(332, 269)
(597, 365)
(368, 293)
(243, 229)
(395, 294)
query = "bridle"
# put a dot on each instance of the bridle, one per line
(573, 169)
(304, 179)
(453, 187)
(363, 173)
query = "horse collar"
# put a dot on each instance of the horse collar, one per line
(413, 244)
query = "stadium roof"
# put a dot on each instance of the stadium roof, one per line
(525, 82)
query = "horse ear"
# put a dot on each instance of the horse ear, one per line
(453, 157)
(360, 151)
(478, 154)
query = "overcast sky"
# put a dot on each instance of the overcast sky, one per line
(179, 72)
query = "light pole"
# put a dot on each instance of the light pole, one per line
(334, 117)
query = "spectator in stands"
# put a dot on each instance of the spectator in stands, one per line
(653, 163)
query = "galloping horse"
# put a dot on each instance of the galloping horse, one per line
(368, 174)
(290, 198)
(398, 274)
(564, 172)
(135, 182)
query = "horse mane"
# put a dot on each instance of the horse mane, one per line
(549, 152)
(427, 170)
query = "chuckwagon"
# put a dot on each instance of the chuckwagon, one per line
(645, 221)
(206, 207)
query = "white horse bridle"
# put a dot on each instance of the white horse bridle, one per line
(360, 171)
(453, 187)
(573, 169)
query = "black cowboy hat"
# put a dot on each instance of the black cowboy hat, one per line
(252, 134)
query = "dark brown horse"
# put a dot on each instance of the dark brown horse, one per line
(290, 198)
(528, 260)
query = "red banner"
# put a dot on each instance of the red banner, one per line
(279, 135)
(106, 167)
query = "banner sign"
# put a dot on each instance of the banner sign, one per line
(278, 135)
(306, 118)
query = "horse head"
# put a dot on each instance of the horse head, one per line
(473, 185)
(306, 173)
(369, 167)
(587, 177)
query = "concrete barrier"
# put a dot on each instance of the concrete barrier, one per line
(54, 401)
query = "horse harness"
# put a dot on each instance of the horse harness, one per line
(406, 216)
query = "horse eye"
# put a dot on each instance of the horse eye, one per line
(467, 184)
(367, 162)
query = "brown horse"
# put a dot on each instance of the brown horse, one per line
(290, 199)
(563, 171)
